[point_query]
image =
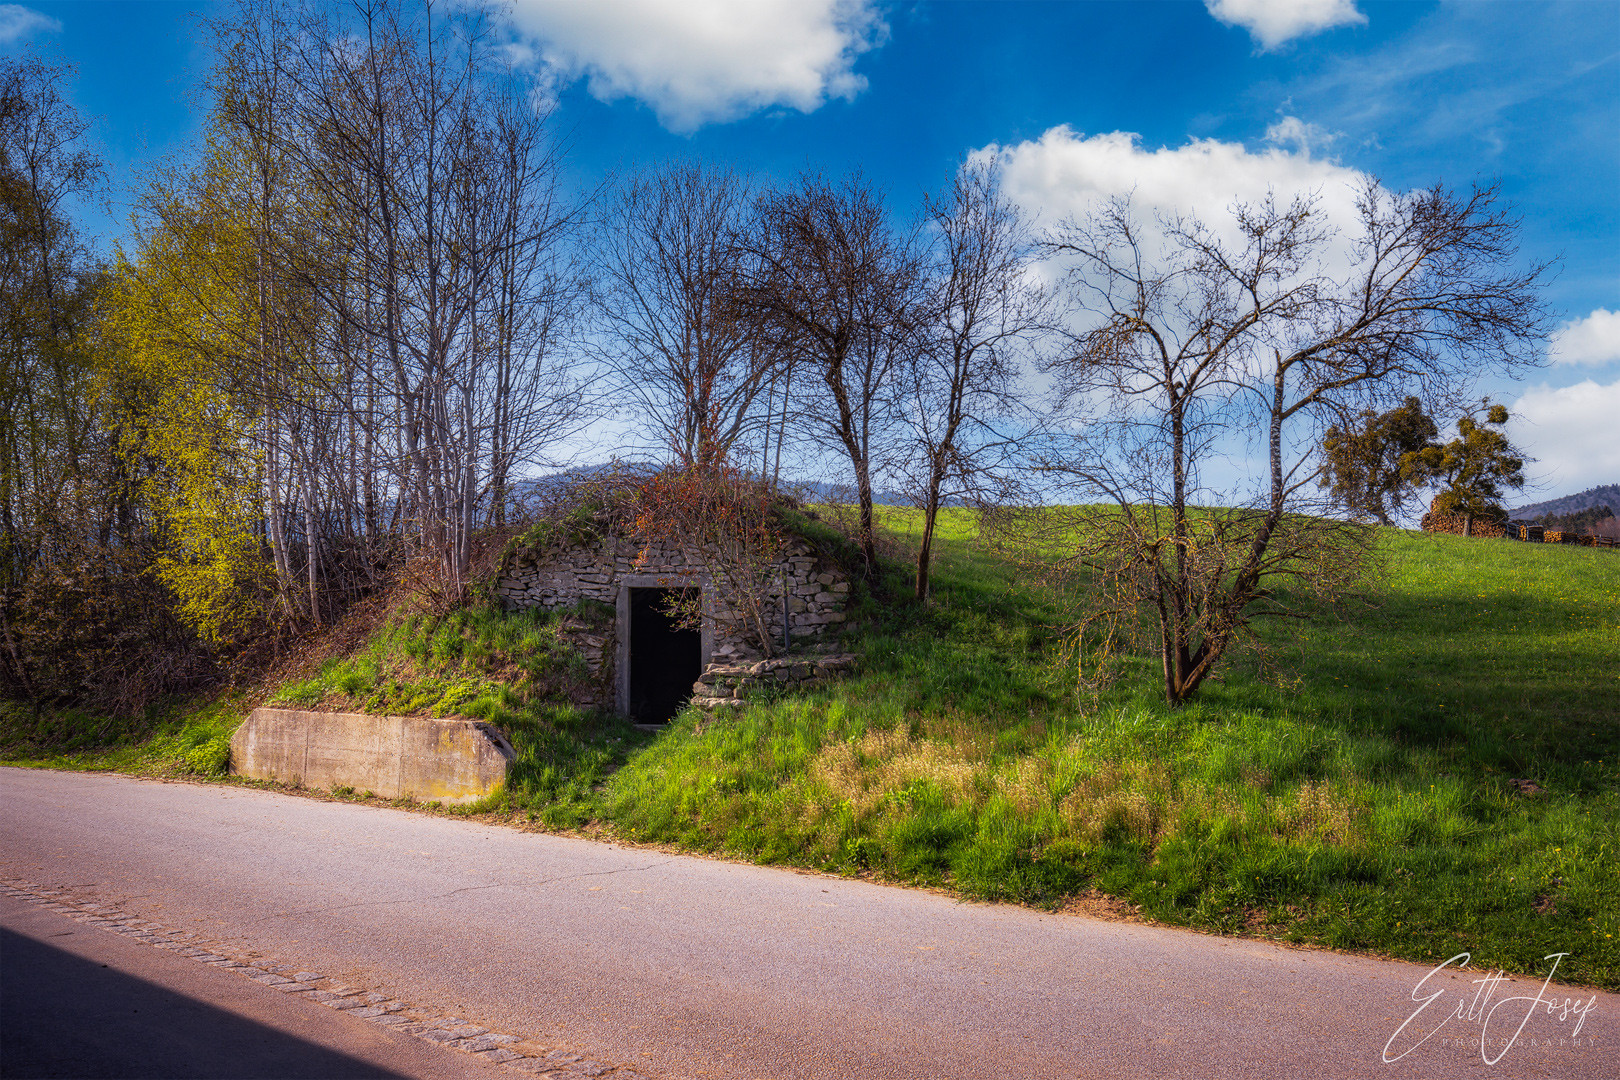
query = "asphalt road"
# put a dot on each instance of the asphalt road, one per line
(78, 1001)
(686, 967)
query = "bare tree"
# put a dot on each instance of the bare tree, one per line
(729, 524)
(1202, 340)
(420, 257)
(837, 284)
(669, 263)
(55, 487)
(45, 295)
(979, 316)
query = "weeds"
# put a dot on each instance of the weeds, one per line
(514, 669)
(170, 738)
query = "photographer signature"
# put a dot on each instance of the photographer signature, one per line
(1480, 1010)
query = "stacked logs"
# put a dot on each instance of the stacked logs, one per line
(1457, 525)
(1540, 534)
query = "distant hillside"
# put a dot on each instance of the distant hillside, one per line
(1602, 495)
(544, 488)
(820, 491)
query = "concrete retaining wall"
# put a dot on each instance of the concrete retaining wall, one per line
(396, 757)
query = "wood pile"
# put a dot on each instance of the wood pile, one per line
(1491, 528)
(1540, 534)
(1457, 525)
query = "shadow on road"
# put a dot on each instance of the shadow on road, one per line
(64, 1016)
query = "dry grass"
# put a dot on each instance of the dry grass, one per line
(1087, 800)
(867, 774)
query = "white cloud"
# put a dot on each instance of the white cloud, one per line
(1303, 137)
(1064, 174)
(1592, 340)
(18, 22)
(1274, 22)
(1569, 430)
(696, 62)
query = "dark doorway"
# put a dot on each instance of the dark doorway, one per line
(665, 659)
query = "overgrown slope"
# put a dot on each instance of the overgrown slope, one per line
(1436, 771)
(1363, 797)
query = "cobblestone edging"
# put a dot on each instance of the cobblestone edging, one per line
(525, 1056)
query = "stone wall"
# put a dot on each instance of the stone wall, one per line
(817, 592)
(593, 638)
(732, 686)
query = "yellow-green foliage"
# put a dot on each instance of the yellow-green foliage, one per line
(176, 318)
(212, 758)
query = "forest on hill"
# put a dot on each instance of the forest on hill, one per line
(1603, 495)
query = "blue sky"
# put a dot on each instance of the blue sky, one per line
(1191, 104)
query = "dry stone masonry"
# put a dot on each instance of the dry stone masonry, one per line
(816, 590)
(732, 686)
(806, 602)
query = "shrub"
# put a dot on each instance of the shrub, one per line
(212, 758)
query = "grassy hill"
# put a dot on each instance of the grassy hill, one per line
(1435, 769)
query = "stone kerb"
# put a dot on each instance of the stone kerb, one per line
(396, 757)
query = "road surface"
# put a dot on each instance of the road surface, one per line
(673, 966)
(79, 1001)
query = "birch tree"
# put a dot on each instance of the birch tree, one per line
(424, 259)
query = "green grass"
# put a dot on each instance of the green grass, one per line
(1354, 791)
(446, 666)
(1361, 800)
(515, 669)
(173, 738)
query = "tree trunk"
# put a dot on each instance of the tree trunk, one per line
(863, 480)
(930, 517)
(311, 544)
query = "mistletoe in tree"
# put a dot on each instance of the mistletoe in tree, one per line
(1471, 469)
(1362, 461)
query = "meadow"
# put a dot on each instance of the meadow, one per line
(1430, 768)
